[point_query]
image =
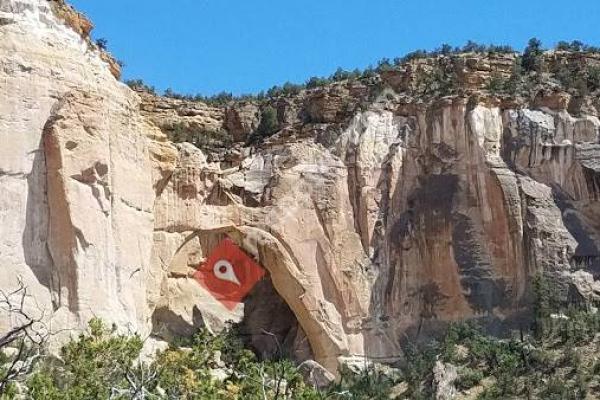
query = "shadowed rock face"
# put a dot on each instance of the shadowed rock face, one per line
(401, 223)
(269, 326)
(375, 217)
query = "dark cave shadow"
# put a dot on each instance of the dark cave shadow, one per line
(587, 252)
(37, 213)
(269, 326)
(169, 326)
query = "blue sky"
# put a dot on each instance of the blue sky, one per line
(244, 46)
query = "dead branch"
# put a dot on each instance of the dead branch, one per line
(26, 339)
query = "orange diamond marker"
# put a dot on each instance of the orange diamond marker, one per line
(229, 274)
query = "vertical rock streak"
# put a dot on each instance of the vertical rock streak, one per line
(376, 220)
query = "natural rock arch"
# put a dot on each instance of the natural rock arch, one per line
(325, 335)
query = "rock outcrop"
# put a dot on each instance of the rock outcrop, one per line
(376, 215)
(71, 136)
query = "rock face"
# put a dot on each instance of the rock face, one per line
(444, 376)
(375, 217)
(71, 137)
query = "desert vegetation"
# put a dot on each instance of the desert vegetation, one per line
(103, 364)
(198, 136)
(555, 358)
(528, 70)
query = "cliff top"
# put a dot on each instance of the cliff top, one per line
(566, 77)
(83, 26)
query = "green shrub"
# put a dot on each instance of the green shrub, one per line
(500, 49)
(288, 89)
(447, 50)
(473, 47)
(199, 137)
(576, 46)
(316, 81)
(497, 84)
(103, 365)
(218, 99)
(102, 44)
(519, 368)
(8, 390)
(369, 383)
(469, 378)
(185, 374)
(437, 81)
(384, 65)
(138, 84)
(90, 367)
(418, 368)
(545, 303)
(440, 80)
(268, 122)
(532, 60)
(593, 78)
(414, 55)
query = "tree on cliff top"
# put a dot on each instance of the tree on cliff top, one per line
(532, 56)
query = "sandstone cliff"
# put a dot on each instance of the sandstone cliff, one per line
(379, 210)
(71, 136)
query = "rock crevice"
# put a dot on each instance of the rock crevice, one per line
(377, 216)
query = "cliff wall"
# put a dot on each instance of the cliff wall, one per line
(378, 213)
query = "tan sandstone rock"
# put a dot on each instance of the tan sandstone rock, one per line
(376, 218)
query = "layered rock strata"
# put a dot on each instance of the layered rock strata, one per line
(378, 216)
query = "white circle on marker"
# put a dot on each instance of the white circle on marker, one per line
(224, 271)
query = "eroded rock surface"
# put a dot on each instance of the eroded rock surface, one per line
(75, 175)
(377, 216)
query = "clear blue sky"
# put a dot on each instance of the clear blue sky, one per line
(242, 46)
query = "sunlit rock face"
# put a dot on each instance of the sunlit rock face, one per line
(405, 221)
(76, 210)
(376, 219)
